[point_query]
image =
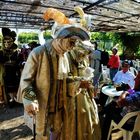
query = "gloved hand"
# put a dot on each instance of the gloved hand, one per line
(85, 84)
(31, 107)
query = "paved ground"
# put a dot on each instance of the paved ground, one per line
(12, 125)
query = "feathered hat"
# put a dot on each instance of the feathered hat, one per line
(72, 31)
(6, 32)
(64, 28)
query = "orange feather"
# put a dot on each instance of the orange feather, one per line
(56, 15)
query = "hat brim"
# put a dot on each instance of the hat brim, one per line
(73, 31)
(87, 43)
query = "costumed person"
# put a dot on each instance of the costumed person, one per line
(44, 86)
(9, 65)
(86, 115)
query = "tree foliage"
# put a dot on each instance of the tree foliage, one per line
(104, 37)
(47, 34)
(129, 43)
(27, 37)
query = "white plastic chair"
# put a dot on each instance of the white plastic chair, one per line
(137, 63)
(134, 63)
(105, 74)
(127, 135)
(133, 70)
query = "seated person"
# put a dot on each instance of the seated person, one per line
(124, 76)
(117, 109)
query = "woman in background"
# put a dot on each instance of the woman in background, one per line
(114, 62)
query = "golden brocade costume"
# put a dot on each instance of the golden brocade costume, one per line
(45, 78)
(86, 115)
(58, 111)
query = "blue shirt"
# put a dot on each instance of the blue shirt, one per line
(132, 102)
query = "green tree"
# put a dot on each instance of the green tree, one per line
(106, 37)
(131, 42)
(27, 37)
(47, 34)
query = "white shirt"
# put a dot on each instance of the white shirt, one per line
(127, 78)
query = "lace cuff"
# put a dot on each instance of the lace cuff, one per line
(29, 94)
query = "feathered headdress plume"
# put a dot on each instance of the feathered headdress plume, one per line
(56, 15)
(65, 27)
(81, 13)
(85, 19)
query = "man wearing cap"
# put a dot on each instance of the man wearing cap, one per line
(44, 86)
(128, 101)
(125, 76)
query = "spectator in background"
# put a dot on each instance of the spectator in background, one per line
(25, 51)
(125, 76)
(114, 62)
(33, 45)
(127, 102)
(104, 57)
(95, 63)
(124, 80)
(116, 110)
(9, 63)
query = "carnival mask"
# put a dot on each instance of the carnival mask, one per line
(8, 42)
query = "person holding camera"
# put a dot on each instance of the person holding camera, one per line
(125, 76)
